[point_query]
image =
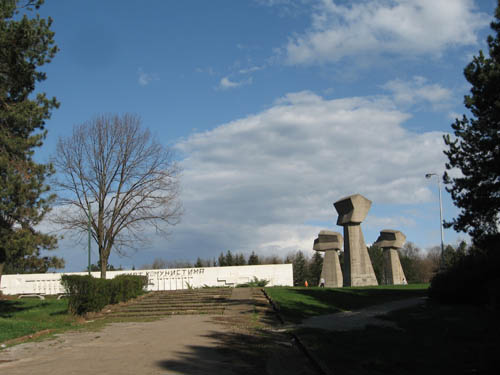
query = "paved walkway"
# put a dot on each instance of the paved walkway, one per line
(189, 344)
(349, 320)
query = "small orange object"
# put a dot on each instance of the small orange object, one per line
(306, 284)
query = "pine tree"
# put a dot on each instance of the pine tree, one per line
(299, 269)
(199, 263)
(221, 262)
(253, 259)
(475, 150)
(239, 260)
(315, 268)
(229, 258)
(25, 45)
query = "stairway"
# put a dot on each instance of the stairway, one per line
(181, 302)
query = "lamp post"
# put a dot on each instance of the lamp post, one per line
(428, 176)
(89, 230)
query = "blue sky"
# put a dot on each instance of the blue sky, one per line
(275, 108)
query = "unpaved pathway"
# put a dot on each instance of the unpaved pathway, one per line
(120, 348)
(349, 320)
(190, 344)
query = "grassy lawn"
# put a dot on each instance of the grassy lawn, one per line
(22, 317)
(297, 304)
(27, 316)
(431, 339)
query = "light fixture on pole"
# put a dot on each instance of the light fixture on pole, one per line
(428, 176)
(89, 230)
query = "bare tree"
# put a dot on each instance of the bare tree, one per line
(113, 168)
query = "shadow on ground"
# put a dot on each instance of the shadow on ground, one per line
(239, 352)
(301, 303)
(9, 307)
(252, 343)
(430, 339)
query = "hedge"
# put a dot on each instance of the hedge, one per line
(473, 279)
(87, 293)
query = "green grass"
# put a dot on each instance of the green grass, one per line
(27, 316)
(431, 339)
(22, 317)
(297, 304)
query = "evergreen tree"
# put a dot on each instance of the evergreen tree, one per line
(273, 259)
(32, 263)
(299, 269)
(25, 45)
(239, 260)
(315, 268)
(476, 149)
(199, 263)
(229, 258)
(221, 262)
(253, 259)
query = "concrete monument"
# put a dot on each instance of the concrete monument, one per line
(391, 240)
(330, 242)
(358, 269)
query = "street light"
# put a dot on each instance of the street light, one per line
(89, 230)
(428, 176)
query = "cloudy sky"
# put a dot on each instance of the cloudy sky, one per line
(275, 108)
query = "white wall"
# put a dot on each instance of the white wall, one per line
(167, 279)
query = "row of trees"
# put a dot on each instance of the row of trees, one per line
(419, 266)
(304, 267)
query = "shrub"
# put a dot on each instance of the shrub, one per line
(472, 279)
(87, 293)
(125, 287)
(254, 283)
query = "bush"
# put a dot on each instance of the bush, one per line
(87, 293)
(125, 287)
(472, 279)
(254, 283)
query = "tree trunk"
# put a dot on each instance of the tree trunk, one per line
(104, 265)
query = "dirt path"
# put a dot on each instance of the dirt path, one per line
(349, 320)
(190, 344)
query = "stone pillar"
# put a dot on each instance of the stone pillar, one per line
(358, 269)
(390, 241)
(330, 242)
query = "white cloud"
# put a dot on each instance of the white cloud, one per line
(408, 27)
(210, 71)
(250, 69)
(226, 83)
(455, 115)
(255, 183)
(144, 78)
(418, 90)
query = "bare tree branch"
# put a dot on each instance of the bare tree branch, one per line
(128, 180)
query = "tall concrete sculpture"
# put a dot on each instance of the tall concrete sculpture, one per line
(330, 242)
(358, 269)
(391, 240)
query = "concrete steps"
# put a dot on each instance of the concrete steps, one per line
(177, 302)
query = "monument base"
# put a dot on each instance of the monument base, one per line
(358, 269)
(331, 272)
(393, 271)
